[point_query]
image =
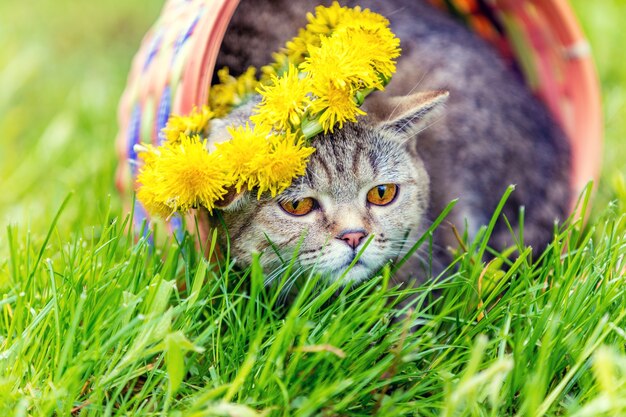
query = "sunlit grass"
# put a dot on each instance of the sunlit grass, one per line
(107, 325)
(601, 21)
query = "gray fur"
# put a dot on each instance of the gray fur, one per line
(491, 133)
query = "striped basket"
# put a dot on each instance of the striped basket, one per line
(173, 68)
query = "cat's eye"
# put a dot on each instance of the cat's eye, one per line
(383, 194)
(298, 207)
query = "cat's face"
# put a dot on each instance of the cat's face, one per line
(363, 193)
(360, 188)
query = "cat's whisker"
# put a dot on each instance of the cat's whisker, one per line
(269, 278)
(278, 272)
(275, 274)
(395, 11)
(285, 291)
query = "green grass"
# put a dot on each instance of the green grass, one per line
(93, 322)
(104, 325)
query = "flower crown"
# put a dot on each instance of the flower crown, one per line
(318, 81)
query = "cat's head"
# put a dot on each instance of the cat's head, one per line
(363, 186)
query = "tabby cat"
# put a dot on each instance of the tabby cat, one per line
(454, 123)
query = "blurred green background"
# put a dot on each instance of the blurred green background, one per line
(63, 66)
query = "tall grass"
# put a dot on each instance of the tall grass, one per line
(107, 325)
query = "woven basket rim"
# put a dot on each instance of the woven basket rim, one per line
(580, 95)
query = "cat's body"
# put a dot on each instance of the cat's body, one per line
(491, 133)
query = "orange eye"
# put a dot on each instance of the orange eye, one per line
(299, 207)
(383, 194)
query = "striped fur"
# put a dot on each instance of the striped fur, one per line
(493, 133)
(344, 167)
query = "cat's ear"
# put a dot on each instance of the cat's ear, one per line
(406, 116)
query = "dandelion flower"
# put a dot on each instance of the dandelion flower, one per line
(316, 83)
(148, 191)
(340, 60)
(378, 46)
(334, 105)
(298, 47)
(183, 176)
(284, 101)
(196, 123)
(192, 175)
(247, 149)
(363, 18)
(324, 22)
(326, 19)
(231, 91)
(276, 68)
(286, 161)
(293, 53)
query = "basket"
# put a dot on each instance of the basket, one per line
(172, 70)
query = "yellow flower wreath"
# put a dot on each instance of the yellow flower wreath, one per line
(318, 81)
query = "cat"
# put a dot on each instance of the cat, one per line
(454, 123)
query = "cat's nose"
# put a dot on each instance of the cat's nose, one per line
(352, 237)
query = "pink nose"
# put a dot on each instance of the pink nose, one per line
(352, 238)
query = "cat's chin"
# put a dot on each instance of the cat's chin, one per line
(351, 276)
(348, 269)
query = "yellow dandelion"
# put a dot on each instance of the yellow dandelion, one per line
(280, 64)
(231, 91)
(338, 59)
(286, 161)
(293, 53)
(282, 61)
(149, 200)
(148, 191)
(334, 105)
(192, 175)
(222, 95)
(297, 47)
(363, 18)
(324, 22)
(326, 19)
(378, 46)
(146, 153)
(247, 82)
(284, 102)
(316, 83)
(195, 123)
(183, 175)
(247, 148)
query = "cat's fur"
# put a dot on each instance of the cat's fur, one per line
(490, 133)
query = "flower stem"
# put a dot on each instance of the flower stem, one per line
(311, 128)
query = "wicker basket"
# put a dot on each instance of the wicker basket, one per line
(173, 68)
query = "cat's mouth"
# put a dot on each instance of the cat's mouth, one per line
(346, 265)
(352, 271)
(357, 262)
(354, 260)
